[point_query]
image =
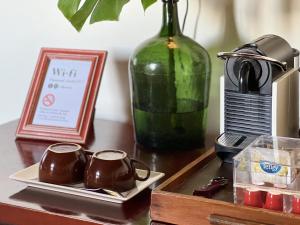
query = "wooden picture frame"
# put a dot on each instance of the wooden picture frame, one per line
(62, 96)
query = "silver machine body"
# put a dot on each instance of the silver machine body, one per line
(259, 94)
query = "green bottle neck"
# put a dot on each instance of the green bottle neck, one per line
(170, 25)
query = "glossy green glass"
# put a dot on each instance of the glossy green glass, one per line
(170, 76)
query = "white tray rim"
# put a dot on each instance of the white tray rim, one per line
(19, 176)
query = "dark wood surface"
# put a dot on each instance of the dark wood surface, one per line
(20, 205)
(201, 177)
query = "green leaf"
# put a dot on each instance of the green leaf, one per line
(107, 10)
(79, 18)
(68, 7)
(147, 3)
(100, 10)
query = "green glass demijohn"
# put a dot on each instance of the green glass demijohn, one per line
(170, 77)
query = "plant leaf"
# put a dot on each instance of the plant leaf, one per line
(79, 18)
(100, 10)
(68, 7)
(107, 10)
(147, 3)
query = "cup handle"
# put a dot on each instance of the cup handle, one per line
(88, 152)
(88, 155)
(136, 176)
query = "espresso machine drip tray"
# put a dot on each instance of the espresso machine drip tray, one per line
(228, 145)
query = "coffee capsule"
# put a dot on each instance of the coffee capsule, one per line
(253, 197)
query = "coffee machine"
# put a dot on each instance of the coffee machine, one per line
(259, 94)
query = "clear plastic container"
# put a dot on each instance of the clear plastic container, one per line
(268, 169)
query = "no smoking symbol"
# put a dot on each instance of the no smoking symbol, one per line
(49, 100)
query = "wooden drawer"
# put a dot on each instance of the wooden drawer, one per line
(172, 201)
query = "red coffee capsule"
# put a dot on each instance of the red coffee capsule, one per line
(296, 204)
(253, 197)
(274, 201)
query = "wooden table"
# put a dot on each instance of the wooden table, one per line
(20, 205)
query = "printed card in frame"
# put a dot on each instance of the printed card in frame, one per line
(62, 96)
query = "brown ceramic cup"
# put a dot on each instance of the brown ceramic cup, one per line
(113, 170)
(63, 163)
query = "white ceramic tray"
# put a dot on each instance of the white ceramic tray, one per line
(29, 176)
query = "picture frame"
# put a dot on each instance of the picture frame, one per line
(61, 99)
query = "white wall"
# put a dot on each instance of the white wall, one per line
(29, 25)
(26, 26)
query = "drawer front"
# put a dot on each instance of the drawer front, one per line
(225, 220)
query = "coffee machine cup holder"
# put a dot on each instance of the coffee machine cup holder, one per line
(226, 55)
